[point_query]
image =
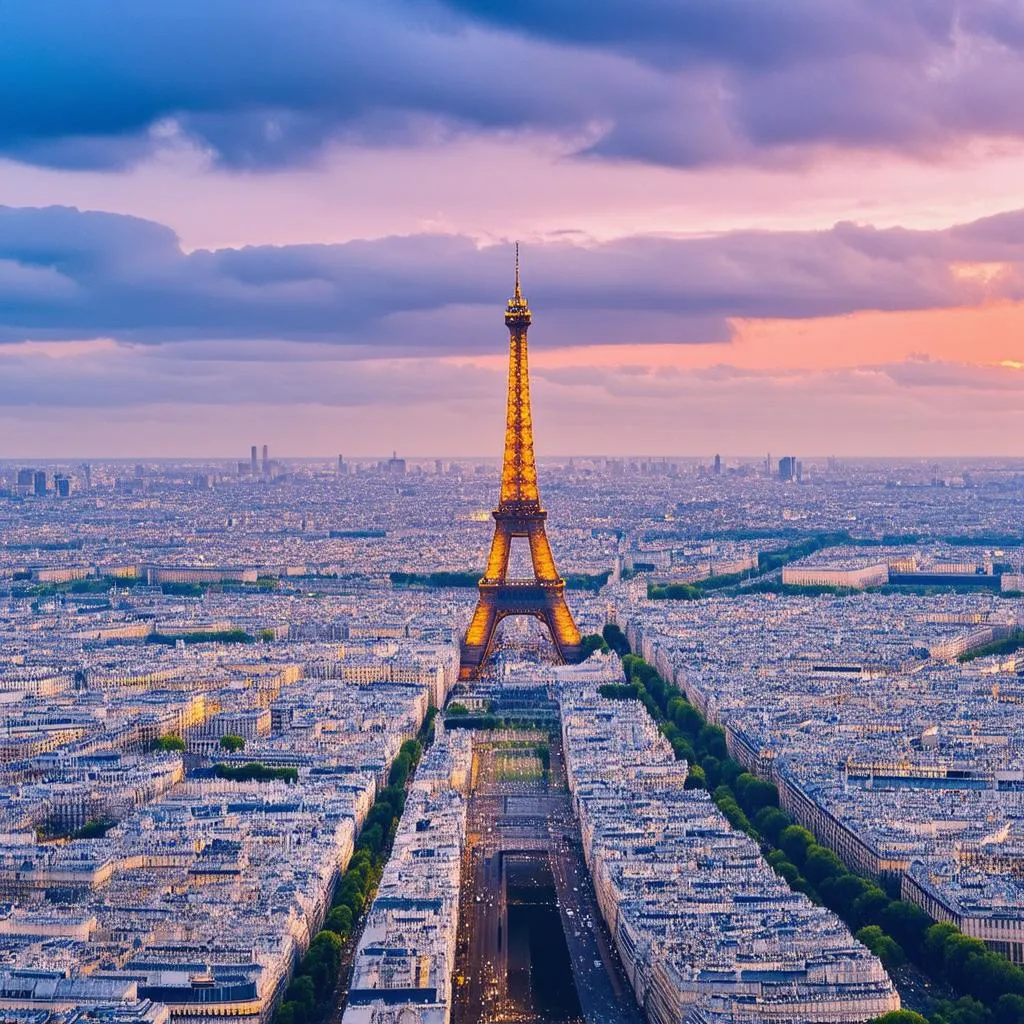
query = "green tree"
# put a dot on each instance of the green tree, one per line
(712, 769)
(372, 839)
(255, 771)
(285, 1013)
(399, 773)
(322, 963)
(795, 841)
(935, 943)
(711, 742)
(901, 1017)
(958, 952)
(412, 749)
(695, 778)
(616, 639)
(302, 994)
(687, 718)
(1010, 1009)
(731, 771)
(907, 923)
(726, 803)
(683, 750)
(867, 908)
(339, 921)
(670, 732)
(755, 794)
(770, 822)
(822, 863)
(885, 947)
(232, 742)
(592, 642)
(95, 828)
(844, 892)
(963, 1011)
(351, 894)
(170, 742)
(785, 869)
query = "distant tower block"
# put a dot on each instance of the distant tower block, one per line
(519, 514)
(266, 460)
(252, 461)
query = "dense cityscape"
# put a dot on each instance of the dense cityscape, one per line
(234, 722)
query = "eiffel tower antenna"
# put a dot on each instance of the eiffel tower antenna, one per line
(519, 514)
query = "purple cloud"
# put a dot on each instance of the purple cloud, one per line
(71, 275)
(263, 83)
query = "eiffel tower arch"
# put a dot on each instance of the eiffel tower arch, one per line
(519, 514)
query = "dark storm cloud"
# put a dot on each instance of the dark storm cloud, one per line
(71, 275)
(264, 83)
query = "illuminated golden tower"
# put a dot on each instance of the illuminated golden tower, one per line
(519, 514)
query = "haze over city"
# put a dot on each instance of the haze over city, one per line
(745, 226)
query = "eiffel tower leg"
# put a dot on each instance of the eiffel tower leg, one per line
(564, 634)
(479, 639)
(540, 553)
(497, 560)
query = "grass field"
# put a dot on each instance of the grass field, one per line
(518, 767)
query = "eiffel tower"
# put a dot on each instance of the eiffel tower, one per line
(519, 514)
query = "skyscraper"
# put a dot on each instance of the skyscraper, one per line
(253, 468)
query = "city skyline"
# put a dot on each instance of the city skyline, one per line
(803, 684)
(740, 232)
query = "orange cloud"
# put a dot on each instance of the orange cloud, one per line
(986, 335)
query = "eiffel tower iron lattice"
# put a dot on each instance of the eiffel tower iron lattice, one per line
(519, 514)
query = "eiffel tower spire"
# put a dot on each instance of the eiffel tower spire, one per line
(519, 514)
(519, 468)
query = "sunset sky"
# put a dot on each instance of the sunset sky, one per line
(794, 225)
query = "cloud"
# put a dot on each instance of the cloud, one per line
(745, 33)
(268, 83)
(916, 378)
(71, 275)
(95, 399)
(262, 83)
(927, 373)
(102, 377)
